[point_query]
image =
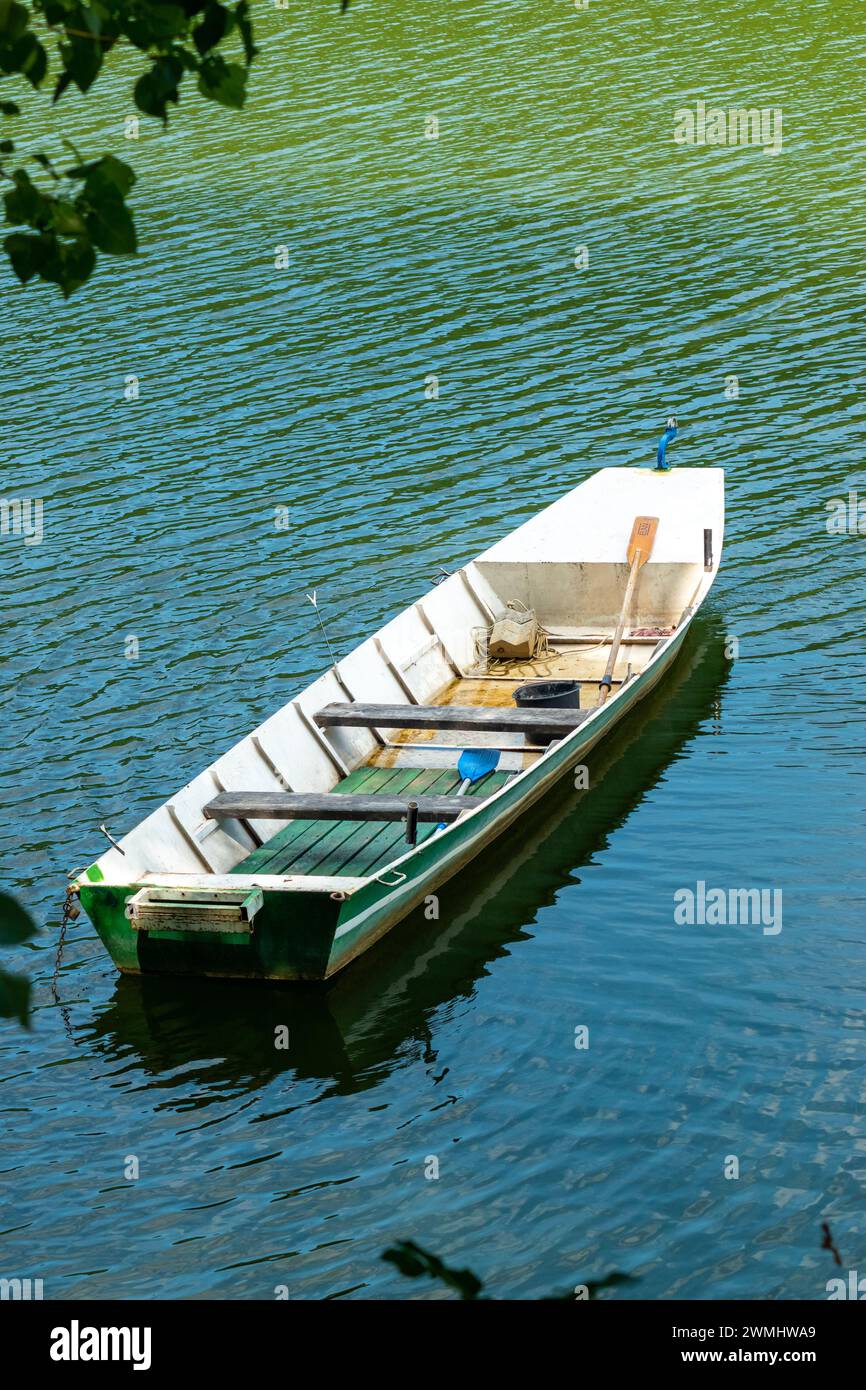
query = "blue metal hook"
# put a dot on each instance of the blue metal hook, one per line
(667, 438)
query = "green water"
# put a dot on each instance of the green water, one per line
(304, 388)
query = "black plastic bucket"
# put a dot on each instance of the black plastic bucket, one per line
(548, 695)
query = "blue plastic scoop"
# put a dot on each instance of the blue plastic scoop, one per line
(474, 764)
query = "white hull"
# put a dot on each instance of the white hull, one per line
(568, 564)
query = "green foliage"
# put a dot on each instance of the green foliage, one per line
(15, 927)
(20, 49)
(223, 82)
(70, 40)
(160, 85)
(69, 227)
(415, 1262)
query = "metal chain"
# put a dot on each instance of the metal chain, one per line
(71, 910)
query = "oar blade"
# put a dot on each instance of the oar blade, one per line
(473, 764)
(476, 763)
(640, 546)
(642, 540)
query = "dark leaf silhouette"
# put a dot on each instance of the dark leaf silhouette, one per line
(15, 926)
(416, 1262)
(827, 1243)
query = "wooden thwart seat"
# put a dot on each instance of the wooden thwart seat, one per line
(478, 717)
(335, 806)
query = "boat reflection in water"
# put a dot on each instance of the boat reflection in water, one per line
(349, 1034)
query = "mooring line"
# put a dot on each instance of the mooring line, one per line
(71, 910)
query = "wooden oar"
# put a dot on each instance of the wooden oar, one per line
(640, 546)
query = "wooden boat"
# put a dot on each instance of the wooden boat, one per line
(353, 1031)
(316, 834)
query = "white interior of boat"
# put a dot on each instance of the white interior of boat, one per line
(567, 564)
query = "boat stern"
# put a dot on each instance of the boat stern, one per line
(226, 926)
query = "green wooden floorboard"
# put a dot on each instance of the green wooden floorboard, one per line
(383, 840)
(276, 850)
(354, 848)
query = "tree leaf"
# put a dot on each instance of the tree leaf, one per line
(155, 88)
(25, 55)
(7, 146)
(40, 158)
(15, 924)
(108, 171)
(63, 81)
(223, 82)
(15, 21)
(82, 60)
(8, 108)
(212, 28)
(65, 263)
(108, 220)
(111, 170)
(242, 18)
(593, 1287)
(59, 12)
(27, 253)
(66, 220)
(25, 204)
(154, 24)
(15, 997)
(68, 264)
(415, 1262)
